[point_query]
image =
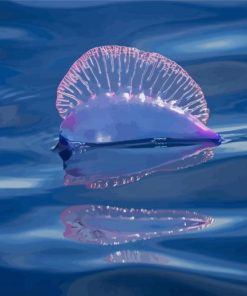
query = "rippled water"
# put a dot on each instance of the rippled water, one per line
(39, 41)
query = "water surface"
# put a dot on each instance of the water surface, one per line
(39, 42)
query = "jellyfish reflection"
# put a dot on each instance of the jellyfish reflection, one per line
(105, 225)
(110, 167)
(135, 256)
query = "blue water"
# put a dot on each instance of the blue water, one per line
(39, 40)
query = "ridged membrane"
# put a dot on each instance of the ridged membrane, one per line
(133, 73)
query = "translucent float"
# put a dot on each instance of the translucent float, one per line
(117, 94)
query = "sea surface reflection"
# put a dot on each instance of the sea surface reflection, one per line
(99, 168)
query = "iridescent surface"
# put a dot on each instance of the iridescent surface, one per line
(39, 42)
(114, 119)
